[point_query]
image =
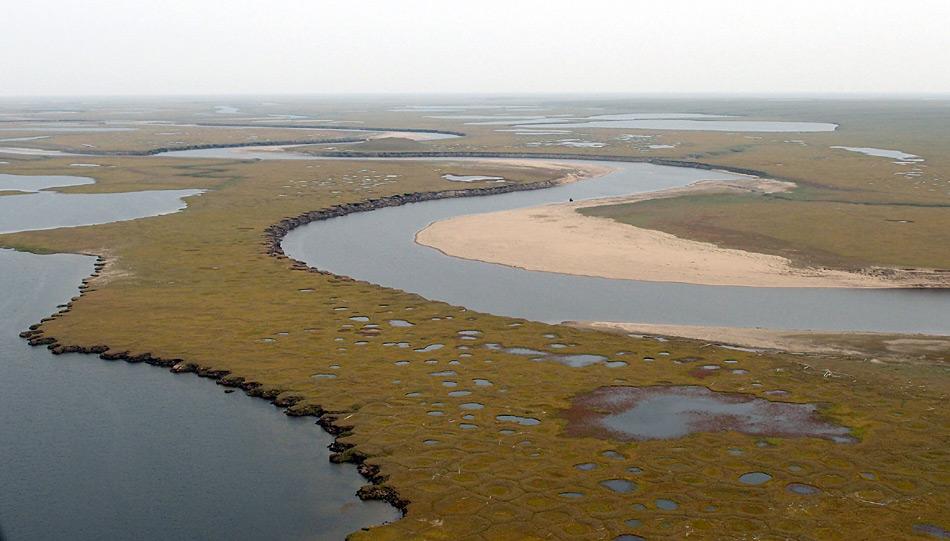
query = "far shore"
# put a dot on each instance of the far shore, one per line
(868, 345)
(556, 238)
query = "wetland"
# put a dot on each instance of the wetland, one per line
(115, 448)
(452, 400)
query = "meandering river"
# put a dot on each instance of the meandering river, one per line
(379, 247)
(111, 450)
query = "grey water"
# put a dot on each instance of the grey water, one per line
(25, 151)
(883, 153)
(674, 412)
(379, 246)
(665, 121)
(562, 119)
(35, 183)
(701, 125)
(14, 139)
(469, 178)
(420, 135)
(66, 129)
(109, 450)
(51, 210)
(754, 478)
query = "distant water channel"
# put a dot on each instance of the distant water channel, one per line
(94, 450)
(37, 208)
(379, 247)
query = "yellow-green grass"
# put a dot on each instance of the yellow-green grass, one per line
(887, 347)
(163, 136)
(811, 233)
(881, 347)
(199, 286)
(840, 214)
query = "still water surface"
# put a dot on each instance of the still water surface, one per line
(40, 209)
(109, 450)
(379, 247)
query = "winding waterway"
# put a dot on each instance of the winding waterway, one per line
(96, 450)
(379, 247)
(108, 450)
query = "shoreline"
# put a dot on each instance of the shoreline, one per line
(873, 345)
(538, 156)
(329, 421)
(292, 405)
(273, 235)
(556, 238)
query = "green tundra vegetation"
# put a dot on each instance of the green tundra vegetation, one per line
(145, 137)
(849, 210)
(200, 287)
(846, 235)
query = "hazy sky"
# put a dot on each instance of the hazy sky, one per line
(321, 46)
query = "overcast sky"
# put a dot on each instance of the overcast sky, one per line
(320, 46)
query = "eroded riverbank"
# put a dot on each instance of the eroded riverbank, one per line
(121, 448)
(379, 246)
(902, 348)
(557, 238)
(460, 429)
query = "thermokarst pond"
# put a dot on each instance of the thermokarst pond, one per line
(38, 209)
(35, 183)
(471, 178)
(666, 412)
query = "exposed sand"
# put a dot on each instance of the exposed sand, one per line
(412, 136)
(555, 238)
(570, 171)
(757, 338)
(903, 348)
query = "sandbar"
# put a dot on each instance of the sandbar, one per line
(904, 348)
(556, 238)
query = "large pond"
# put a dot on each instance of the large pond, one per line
(52, 128)
(700, 125)
(108, 450)
(39, 209)
(661, 121)
(379, 247)
(416, 135)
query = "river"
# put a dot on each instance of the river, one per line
(109, 450)
(379, 247)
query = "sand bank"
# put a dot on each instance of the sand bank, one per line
(555, 238)
(882, 346)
